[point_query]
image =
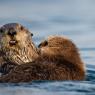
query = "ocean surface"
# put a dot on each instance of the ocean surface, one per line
(74, 19)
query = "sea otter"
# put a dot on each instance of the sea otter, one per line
(16, 46)
(58, 60)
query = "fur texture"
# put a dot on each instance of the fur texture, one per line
(58, 60)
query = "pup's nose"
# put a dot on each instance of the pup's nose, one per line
(12, 33)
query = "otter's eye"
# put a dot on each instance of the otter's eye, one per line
(31, 34)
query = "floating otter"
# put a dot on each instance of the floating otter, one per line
(58, 60)
(16, 46)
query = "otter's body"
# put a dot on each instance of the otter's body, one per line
(44, 70)
(58, 60)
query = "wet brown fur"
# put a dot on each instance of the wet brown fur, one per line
(58, 60)
(16, 46)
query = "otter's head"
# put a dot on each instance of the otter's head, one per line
(60, 47)
(16, 43)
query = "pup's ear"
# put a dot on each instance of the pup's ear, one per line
(42, 44)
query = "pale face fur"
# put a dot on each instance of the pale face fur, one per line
(17, 47)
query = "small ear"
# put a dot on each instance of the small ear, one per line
(42, 44)
(22, 28)
(1, 30)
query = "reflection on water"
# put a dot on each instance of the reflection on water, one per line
(72, 18)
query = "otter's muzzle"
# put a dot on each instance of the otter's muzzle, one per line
(12, 33)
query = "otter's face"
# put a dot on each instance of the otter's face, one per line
(14, 43)
(13, 35)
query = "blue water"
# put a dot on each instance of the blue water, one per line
(74, 19)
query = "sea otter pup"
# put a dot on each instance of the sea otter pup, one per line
(16, 46)
(58, 60)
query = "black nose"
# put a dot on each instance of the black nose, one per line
(11, 33)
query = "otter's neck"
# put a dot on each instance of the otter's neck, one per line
(31, 52)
